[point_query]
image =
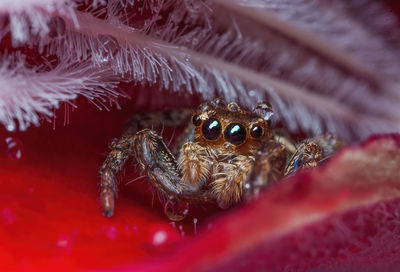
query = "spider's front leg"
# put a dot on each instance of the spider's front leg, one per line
(154, 159)
(121, 150)
(270, 163)
(129, 144)
(162, 170)
(313, 151)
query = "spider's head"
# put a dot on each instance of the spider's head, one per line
(232, 129)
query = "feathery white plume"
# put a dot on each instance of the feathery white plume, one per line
(27, 94)
(322, 66)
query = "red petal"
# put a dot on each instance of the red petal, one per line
(343, 215)
(49, 210)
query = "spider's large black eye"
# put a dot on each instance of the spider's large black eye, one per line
(256, 131)
(196, 120)
(235, 134)
(211, 129)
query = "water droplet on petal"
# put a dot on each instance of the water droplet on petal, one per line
(195, 225)
(176, 211)
(63, 242)
(159, 237)
(14, 148)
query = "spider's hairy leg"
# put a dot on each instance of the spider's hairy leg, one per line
(311, 152)
(120, 152)
(122, 149)
(153, 158)
(160, 166)
(268, 168)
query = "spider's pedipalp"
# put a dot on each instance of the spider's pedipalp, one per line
(229, 176)
(195, 165)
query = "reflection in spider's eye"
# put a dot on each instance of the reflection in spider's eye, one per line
(235, 134)
(256, 131)
(196, 120)
(211, 129)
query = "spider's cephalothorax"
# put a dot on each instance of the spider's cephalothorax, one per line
(226, 155)
(229, 129)
(221, 155)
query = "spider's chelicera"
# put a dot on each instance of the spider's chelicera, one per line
(227, 155)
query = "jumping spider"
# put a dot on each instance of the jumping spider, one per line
(227, 155)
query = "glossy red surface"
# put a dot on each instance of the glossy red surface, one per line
(50, 215)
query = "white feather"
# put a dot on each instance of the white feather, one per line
(27, 94)
(250, 50)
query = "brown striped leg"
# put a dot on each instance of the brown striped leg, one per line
(122, 149)
(153, 158)
(120, 152)
(312, 151)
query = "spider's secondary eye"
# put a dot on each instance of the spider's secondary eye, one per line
(235, 134)
(196, 120)
(211, 129)
(256, 131)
